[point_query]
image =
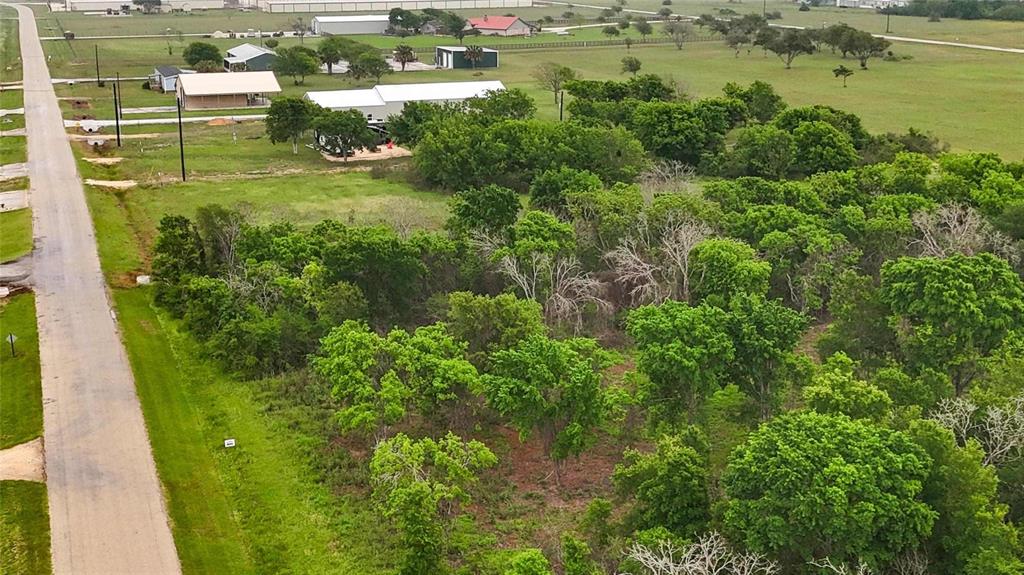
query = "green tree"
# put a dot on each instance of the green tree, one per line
(491, 209)
(404, 54)
(678, 31)
(790, 44)
(668, 486)
(474, 54)
(576, 559)
(950, 312)
(343, 132)
(457, 26)
(722, 268)
(497, 105)
(297, 62)
(529, 562)
(549, 190)
(178, 256)
(552, 387)
(808, 486)
(421, 484)
(405, 19)
(610, 31)
(369, 65)
(288, 119)
(329, 51)
(863, 45)
(631, 64)
(643, 27)
(197, 52)
(764, 151)
(762, 102)
(820, 147)
(971, 534)
(552, 76)
(842, 72)
(491, 323)
(836, 389)
(684, 351)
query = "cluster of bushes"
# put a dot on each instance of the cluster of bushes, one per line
(901, 450)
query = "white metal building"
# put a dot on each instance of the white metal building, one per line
(288, 6)
(350, 25)
(385, 100)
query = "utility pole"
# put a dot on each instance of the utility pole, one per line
(764, 9)
(96, 48)
(888, 13)
(181, 140)
(561, 104)
(117, 114)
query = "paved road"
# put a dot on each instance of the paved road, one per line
(107, 512)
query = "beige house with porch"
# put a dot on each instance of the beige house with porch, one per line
(227, 90)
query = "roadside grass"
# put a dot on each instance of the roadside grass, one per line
(15, 234)
(10, 48)
(14, 184)
(24, 528)
(11, 99)
(21, 399)
(258, 507)
(13, 149)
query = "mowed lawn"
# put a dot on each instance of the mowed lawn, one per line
(24, 529)
(10, 49)
(21, 403)
(15, 234)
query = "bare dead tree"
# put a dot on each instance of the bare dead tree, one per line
(842, 568)
(709, 555)
(913, 562)
(1000, 430)
(677, 244)
(571, 289)
(641, 278)
(667, 176)
(959, 229)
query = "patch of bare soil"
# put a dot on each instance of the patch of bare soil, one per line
(88, 137)
(808, 345)
(103, 161)
(112, 184)
(366, 155)
(81, 104)
(23, 462)
(221, 122)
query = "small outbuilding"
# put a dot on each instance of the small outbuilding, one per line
(227, 90)
(385, 100)
(249, 58)
(353, 25)
(501, 26)
(454, 57)
(165, 78)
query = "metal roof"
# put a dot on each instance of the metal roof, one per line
(168, 71)
(353, 18)
(392, 93)
(462, 48)
(493, 22)
(221, 83)
(248, 52)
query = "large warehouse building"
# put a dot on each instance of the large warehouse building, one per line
(388, 99)
(350, 25)
(288, 6)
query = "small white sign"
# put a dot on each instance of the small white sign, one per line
(11, 338)
(229, 443)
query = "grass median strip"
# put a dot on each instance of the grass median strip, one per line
(21, 403)
(24, 529)
(15, 234)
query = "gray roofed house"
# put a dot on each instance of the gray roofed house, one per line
(249, 58)
(164, 78)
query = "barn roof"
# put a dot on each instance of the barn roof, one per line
(384, 94)
(493, 22)
(223, 83)
(245, 52)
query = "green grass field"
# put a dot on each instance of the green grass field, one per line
(10, 50)
(13, 149)
(24, 529)
(15, 234)
(21, 403)
(990, 32)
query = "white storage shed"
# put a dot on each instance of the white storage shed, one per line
(350, 25)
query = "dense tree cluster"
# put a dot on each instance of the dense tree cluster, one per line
(822, 346)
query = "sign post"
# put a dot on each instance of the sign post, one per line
(11, 338)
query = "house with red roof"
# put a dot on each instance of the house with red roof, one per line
(501, 26)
